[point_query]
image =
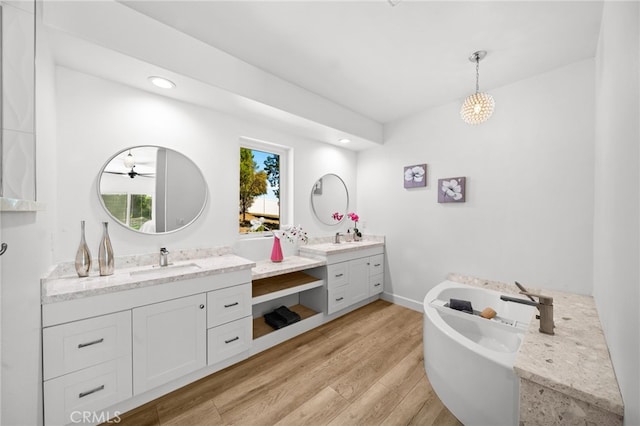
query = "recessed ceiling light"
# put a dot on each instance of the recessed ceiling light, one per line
(162, 82)
(344, 140)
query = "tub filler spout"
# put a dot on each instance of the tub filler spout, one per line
(544, 305)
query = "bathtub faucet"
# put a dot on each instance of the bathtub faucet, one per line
(544, 305)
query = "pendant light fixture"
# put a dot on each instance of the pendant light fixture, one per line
(477, 108)
(129, 161)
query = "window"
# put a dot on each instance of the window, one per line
(130, 209)
(261, 189)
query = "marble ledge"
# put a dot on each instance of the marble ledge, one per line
(57, 288)
(575, 360)
(267, 268)
(18, 205)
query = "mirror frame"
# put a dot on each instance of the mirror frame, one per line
(124, 225)
(313, 207)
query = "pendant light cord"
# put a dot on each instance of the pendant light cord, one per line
(477, 74)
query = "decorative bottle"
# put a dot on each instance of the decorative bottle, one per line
(276, 251)
(83, 255)
(105, 252)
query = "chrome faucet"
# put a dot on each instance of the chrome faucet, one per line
(544, 305)
(337, 239)
(164, 256)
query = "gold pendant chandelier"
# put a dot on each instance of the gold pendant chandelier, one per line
(477, 108)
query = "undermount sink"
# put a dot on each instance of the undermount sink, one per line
(161, 270)
(342, 246)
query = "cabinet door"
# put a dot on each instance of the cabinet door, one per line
(91, 389)
(337, 275)
(228, 304)
(358, 287)
(80, 344)
(169, 341)
(337, 299)
(376, 284)
(376, 264)
(229, 339)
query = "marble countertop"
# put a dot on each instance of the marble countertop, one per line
(575, 360)
(135, 271)
(267, 268)
(327, 248)
(57, 287)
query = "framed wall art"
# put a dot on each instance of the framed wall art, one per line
(415, 176)
(451, 190)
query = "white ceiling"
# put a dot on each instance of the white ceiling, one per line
(388, 62)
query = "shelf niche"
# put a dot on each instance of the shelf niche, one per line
(300, 292)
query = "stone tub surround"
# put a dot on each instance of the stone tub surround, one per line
(574, 362)
(62, 283)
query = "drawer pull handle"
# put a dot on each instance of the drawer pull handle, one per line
(339, 275)
(232, 340)
(377, 285)
(376, 265)
(89, 392)
(231, 304)
(95, 342)
(201, 306)
(339, 299)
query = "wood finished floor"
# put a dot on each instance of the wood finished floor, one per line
(364, 368)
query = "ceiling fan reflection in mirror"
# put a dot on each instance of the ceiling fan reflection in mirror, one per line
(130, 163)
(132, 173)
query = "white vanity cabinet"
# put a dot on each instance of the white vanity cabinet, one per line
(376, 274)
(123, 348)
(354, 276)
(87, 365)
(229, 322)
(169, 341)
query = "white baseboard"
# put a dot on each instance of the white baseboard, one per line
(403, 301)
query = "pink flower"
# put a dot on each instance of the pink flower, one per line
(337, 216)
(354, 217)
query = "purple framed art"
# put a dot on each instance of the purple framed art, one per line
(451, 190)
(415, 176)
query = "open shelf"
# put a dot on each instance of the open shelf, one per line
(261, 328)
(282, 285)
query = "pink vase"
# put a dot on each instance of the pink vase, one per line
(276, 251)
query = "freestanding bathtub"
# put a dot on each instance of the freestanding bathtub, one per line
(469, 359)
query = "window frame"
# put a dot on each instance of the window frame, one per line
(286, 180)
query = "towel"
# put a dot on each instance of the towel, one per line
(461, 305)
(287, 314)
(275, 320)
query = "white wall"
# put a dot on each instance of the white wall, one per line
(529, 205)
(617, 190)
(28, 257)
(82, 121)
(97, 118)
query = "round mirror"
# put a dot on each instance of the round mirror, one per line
(152, 189)
(329, 196)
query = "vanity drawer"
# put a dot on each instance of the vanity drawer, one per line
(229, 339)
(337, 274)
(376, 265)
(337, 299)
(88, 390)
(376, 284)
(80, 344)
(228, 304)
